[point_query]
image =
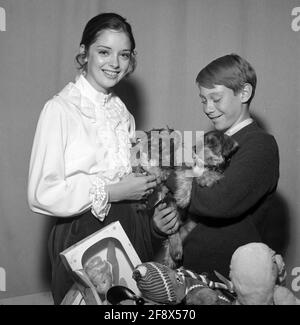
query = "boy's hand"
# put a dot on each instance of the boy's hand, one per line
(165, 219)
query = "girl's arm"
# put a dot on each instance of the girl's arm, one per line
(49, 192)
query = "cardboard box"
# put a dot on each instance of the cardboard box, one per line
(112, 245)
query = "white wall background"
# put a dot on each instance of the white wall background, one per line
(175, 39)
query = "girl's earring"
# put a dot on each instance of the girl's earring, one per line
(85, 67)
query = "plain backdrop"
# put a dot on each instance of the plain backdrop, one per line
(175, 39)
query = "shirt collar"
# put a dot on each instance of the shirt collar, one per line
(90, 92)
(234, 129)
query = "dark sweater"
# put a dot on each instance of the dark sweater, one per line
(230, 213)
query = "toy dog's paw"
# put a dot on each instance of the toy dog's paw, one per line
(174, 251)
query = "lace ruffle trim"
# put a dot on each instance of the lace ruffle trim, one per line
(99, 197)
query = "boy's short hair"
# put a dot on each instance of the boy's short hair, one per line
(231, 71)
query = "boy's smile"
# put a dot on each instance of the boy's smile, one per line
(223, 107)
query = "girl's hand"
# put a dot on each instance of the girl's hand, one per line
(165, 219)
(131, 187)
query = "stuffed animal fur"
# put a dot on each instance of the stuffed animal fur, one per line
(218, 150)
(153, 154)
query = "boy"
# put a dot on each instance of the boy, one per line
(231, 213)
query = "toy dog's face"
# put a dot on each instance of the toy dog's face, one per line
(218, 149)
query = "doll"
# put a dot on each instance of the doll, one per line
(100, 274)
(104, 274)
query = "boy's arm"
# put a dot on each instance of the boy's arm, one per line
(252, 174)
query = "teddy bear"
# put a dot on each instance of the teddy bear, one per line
(257, 274)
(162, 285)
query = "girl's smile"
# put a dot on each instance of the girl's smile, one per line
(108, 60)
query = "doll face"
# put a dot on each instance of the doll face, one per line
(108, 59)
(103, 282)
(223, 107)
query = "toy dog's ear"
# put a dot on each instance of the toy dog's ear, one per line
(230, 146)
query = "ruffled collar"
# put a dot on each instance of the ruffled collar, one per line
(94, 95)
(85, 97)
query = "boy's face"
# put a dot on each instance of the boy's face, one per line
(222, 107)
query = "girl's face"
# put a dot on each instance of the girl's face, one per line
(223, 107)
(108, 59)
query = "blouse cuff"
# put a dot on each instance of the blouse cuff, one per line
(99, 197)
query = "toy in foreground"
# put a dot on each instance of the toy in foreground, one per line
(257, 277)
(161, 284)
(104, 274)
(100, 273)
(217, 151)
(257, 274)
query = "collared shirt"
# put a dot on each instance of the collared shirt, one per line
(234, 129)
(81, 134)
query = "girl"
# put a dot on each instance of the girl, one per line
(80, 163)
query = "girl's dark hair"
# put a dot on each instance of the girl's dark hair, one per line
(231, 71)
(95, 26)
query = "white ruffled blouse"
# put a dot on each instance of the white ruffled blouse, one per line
(82, 136)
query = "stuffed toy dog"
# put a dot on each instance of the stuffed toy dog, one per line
(217, 151)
